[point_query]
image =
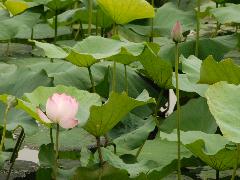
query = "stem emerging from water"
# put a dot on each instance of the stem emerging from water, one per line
(178, 111)
(15, 151)
(217, 174)
(179, 2)
(91, 79)
(99, 151)
(90, 8)
(114, 76)
(157, 107)
(236, 165)
(56, 151)
(51, 134)
(126, 78)
(4, 127)
(198, 28)
(55, 26)
(151, 36)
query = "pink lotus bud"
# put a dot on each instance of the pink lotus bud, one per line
(176, 33)
(60, 109)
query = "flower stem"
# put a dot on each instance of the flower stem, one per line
(179, 2)
(99, 151)
(80, 30)
(55, 26)
(90, 8)
(157, 107)
(32, 37)
(114, 76)
(51, 134)
(97, 22)
(218, 24)
(178, 112)
(91, 79)
(4, 127)
(151, 36)
(217, 174)
(236, 165)
(8, 48)
(198, 28)
(56, 151)
(15, 151)
(126, 78)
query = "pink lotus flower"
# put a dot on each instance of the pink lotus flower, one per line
(176, 33)
(60, 109)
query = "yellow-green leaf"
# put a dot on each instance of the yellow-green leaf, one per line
(16, 6)
(124, 11)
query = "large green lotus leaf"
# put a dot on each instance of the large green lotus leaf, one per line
(23, 80)
(217, 47)
(65, 73)
(191, 66)
(124, 11)
(28, 19)
(168, 14)
(129, 53)
(225, 70)
(81, 60)
(156, 68)
(93, 48)
(104, 118)
(74, 139)
(230, 14)
(16, 6)
(100, 47)
(158, 156)
(134, 139)
(162, 155)
(81, 14)
(188, 81)
(11, 26)
(195, 116)
(39, 98)
(87, 52)
(51, 50)
(218, 96)
(210, 148)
